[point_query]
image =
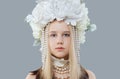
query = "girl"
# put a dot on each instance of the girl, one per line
(59, 26)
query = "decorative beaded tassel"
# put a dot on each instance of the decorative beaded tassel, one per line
(43, 47)
(76, 42)
(77, 36)
(74, 38)
(46, 41)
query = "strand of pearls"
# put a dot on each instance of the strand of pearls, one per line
(74, 38)
(61, 68)
(77, 36)
(76, 42)
(62, 72)
(46, 43)
(43, 47)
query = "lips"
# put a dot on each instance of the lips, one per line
(59, 48)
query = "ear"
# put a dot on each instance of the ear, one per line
(91, 74)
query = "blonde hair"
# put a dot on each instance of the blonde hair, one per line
(47, 69)
(75, 71)
(74, 66)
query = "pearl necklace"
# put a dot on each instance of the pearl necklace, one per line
(60, 68)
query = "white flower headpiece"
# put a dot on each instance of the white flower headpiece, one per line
(71, 11)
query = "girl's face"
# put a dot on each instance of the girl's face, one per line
(59, 39)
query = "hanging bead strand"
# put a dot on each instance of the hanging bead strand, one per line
(77, 43)
(42, 47)
(46, 41)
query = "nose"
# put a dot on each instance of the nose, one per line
(60, 40)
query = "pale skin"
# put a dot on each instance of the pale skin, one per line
(59, 36)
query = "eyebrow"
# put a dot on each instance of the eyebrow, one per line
(56, 31)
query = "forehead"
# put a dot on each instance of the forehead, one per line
(59, 26)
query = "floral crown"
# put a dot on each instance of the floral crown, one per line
(72, 12)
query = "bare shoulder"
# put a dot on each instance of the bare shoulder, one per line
(30, 76)
(91, 74)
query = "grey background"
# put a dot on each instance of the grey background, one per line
(99, 54)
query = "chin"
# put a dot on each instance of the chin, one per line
(60, 54)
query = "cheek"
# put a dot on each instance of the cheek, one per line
(51, 43)
(68, 42)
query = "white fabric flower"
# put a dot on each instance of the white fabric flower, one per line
(93, 27)
(71, 11)
(36, 30)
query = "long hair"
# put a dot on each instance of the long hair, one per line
(74, 66)
(76, 71)
(47, 70)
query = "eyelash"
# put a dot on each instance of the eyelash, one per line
(66, 35)
(52, 35)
